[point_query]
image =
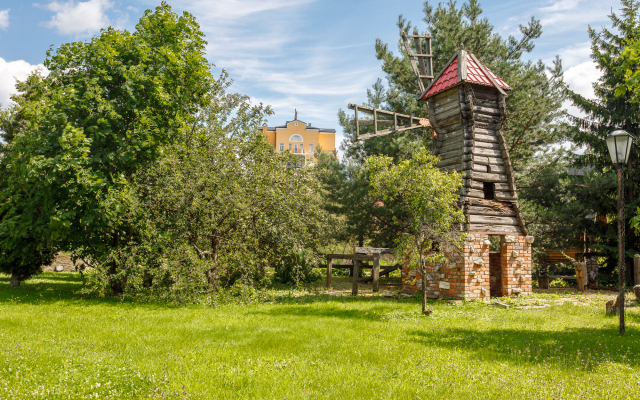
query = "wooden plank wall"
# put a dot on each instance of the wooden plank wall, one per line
(468, 121)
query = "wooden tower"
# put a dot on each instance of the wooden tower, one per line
(466, 108)
(466, 104)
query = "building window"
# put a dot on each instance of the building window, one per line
(296, 138)
(281, 146)
(295, 148)
(310, 148)
(290, 146)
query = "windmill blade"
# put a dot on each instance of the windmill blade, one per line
(383, 118)
(424, 57)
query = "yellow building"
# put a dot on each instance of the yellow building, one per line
(301, 139)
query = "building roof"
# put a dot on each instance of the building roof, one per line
(309, 127)
(464, 67)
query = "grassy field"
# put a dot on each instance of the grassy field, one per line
(58, 344)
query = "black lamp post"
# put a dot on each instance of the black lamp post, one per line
(619, 144)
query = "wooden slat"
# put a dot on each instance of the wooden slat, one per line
(479, 194)
(486, 110)
(485, 103)
(359, 257)
(448, 113)
(354, 282)
(376, 272)
(450, 105)
(487, 152)
(411, 59)
(488, 160)
(485, 138)
(476, 210)
(388, 131)
(329, 272)
(496, 169)
(373, 250)
(485, 96)
(479, 176)
(485, 219)
(500, 229)
(369, 122)
(480, 168)
(418, 46)
(454, 144)
(487, 145)
(450, 121)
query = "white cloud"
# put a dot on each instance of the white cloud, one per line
(574, 55)
(4, 19)
(9, 72)
(581, 78)
(228, 11)
(79, 18)
(565, 15)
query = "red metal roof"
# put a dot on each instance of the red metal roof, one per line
(474, 74)
(447, 79)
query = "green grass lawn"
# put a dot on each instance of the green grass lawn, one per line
(56, 343)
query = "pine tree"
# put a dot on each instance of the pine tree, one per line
(534, 106)
(604, 114)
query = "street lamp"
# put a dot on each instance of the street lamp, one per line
(619, 144)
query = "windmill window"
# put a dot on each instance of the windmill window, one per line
(489, 189)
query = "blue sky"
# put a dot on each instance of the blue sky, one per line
(313, 55)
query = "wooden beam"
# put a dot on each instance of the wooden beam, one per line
(494, 228)
(410, 54)
(369, 122)
(484, 219)
(354, 282)
(388, 131)
(376, 272)
(373, 250)
(353, 257)
(329, 271)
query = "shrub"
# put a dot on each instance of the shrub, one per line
(295, 268)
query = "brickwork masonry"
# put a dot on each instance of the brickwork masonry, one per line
(466, 273)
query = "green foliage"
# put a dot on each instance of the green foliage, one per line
(428, 197)
(111, 104)
(217, 207)
(604, 114)
(531, 126)
(296, 269)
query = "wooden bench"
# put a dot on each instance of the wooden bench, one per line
(360, 254)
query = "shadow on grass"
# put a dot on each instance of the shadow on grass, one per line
(63, 287)
(328, 311)
(581, 348)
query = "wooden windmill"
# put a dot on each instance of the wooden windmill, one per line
(422, 65)
(466, 108)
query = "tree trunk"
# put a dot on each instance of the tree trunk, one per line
(15, 279)
(116, 284)
(212, 274)
(423, 277)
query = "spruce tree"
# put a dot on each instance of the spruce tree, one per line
(534, 107)
(604, 114)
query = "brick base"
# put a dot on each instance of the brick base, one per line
(466, 274)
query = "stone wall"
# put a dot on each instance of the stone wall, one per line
(61, 259)
(466, 272)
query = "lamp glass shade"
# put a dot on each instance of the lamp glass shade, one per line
(619, 144)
